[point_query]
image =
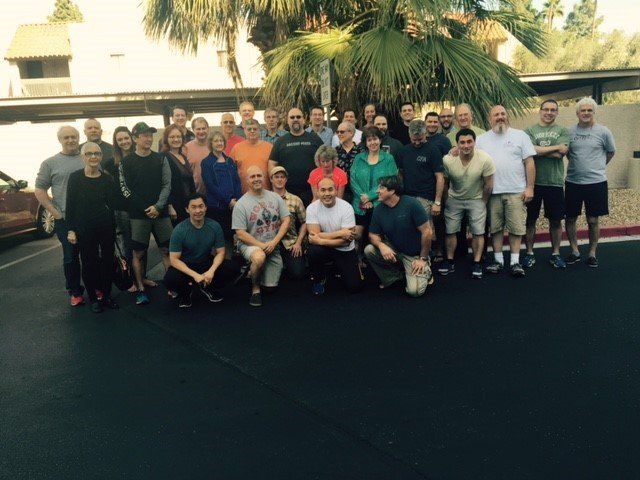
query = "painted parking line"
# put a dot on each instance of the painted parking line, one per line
(11, 264)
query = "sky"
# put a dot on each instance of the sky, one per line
(618, 14)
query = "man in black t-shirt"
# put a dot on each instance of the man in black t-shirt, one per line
(421, 169)
(145, 181)
(438, 140)
(295, 152)
(401, 130)
(400, 238)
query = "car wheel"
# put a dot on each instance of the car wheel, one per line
(45, 224)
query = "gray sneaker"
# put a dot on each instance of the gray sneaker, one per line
(517, 270)
(495, 267)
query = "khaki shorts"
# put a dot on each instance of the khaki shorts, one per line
(142, 228)
(507, 210)
(272, 268)
(455, 209)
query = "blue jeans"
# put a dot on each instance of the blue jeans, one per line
(70, 260)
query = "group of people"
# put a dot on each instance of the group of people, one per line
(256, 200)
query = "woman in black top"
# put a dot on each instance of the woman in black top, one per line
(182, 183)
(89, 215)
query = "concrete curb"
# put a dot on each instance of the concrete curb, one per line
(605, 232)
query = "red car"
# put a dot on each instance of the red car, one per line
(20, 211)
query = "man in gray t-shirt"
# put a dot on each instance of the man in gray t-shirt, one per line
(591, 148)
(260, 219)
(54, 174)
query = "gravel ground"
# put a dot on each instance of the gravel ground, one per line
(624, 209)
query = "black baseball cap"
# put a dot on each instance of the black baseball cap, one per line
(142, 127)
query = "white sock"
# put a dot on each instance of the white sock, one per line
(499, 256)
(515, 258)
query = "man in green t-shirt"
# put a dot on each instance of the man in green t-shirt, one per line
(551, 142)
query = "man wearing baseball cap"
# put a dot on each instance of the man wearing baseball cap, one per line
(292, 245)
(145, 181)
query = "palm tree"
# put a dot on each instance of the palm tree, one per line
(552, 9)
(387, 50)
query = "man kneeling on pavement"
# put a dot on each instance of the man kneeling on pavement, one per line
(400, 236)
(193, 266)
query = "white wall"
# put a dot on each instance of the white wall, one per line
(622, 120)
(148, 65)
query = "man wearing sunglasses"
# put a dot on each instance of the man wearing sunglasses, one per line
(295, 152)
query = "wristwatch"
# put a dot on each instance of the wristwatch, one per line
(424, 259)
(437, 202)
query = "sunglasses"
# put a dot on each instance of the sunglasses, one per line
(295, 117)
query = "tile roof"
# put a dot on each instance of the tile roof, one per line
(40, 40)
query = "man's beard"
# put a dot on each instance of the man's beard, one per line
(500, 128)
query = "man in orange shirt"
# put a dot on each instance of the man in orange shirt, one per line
(252, 152)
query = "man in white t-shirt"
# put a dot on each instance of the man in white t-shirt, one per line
(331, 224)
(512, 153)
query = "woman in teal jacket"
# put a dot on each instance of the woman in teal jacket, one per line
(365, 172)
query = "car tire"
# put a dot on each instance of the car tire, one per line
(45, 224)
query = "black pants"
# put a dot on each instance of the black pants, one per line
(96, 255)
(70, 259)
(223, 217)
(295, 266)
(345, 262)
(182, 283)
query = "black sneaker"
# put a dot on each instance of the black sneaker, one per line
(110, 303)
(517, 270)
(212, 295)
(476, 271)
(96, 307)
(255, 300)
(446, 267)
(572, 258)
(185, 301)
(495, 267)
(592, 262)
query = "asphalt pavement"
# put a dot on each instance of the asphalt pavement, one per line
(499, 378)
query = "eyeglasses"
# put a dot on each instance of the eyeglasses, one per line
(228, 122)
(252, 129)
(446, 116)
(341, 132)
(92, 154)
(295, 117)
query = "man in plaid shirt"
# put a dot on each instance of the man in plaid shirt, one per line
(293, 244)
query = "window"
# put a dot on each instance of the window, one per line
(222, 58)
(34, 69)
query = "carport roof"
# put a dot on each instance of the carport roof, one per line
(560, 85)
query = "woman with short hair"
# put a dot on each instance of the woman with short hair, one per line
(326, 158)
(222, 183)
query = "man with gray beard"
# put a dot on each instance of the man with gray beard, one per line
(512, 153)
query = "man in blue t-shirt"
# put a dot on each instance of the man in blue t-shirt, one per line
(193, 263)
(400, 237)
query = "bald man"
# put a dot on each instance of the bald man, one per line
(260, 219)
(54, 174)
(446, 120)
(463, 119)
(331, 224)
(93, 133)
(512, 153)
